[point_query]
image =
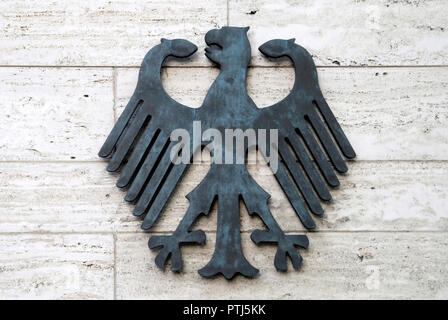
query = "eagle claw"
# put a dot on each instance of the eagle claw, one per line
(171, 247)
(286, 246)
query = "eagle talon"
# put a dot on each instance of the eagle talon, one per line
(286, 246)
(171, 247)
(280, 257)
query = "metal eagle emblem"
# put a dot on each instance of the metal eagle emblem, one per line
(309, 144)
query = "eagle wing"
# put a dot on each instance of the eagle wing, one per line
(140, 144)
(310, 139)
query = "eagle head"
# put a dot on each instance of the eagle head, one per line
(227, 45)
(276, 48)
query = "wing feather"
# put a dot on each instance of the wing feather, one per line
(140, 140)
(293, 196)
(310, 168)
(128, 139)
(327, 142)
(146, 145)
(305, 123)
(147, 169)
(310, 142)
(299, 178)
(155, 180)
(335, 128)
(162, 197)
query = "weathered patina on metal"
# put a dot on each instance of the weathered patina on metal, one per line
(310, 143)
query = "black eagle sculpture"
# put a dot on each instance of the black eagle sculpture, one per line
(310, 143)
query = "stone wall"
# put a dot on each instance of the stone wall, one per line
(67, 68)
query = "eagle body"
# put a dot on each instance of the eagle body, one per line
(309, 146)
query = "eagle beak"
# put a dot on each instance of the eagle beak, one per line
(210, 37)
(212, 40)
